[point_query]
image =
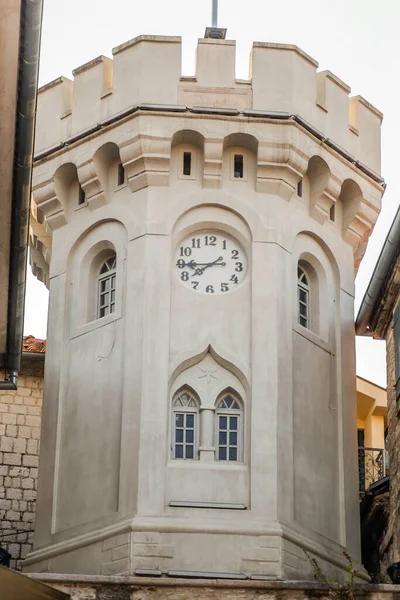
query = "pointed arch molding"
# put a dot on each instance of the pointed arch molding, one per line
(188, 359)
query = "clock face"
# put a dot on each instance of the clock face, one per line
(210, 262)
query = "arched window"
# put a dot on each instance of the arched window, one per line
(106, 287)
(229, 428)
(303, 298)
(185, 417)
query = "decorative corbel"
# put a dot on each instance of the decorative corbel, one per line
(50, 202)
(91, 184)
(321, 201)
(146, 160)
(279, 168)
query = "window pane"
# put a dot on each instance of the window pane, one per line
(189, 452)
(223, 422)
(223, 437)
(189, 420)
(112, 308)
(233, 422)
(303, 310)
(233, 438)
(190, 436)
(179, 435)
(238, 166)
(222, 454)
(232, 453)
(178, 451)
(113, 296)
(302, 295)
(187, 163)
(179, 420)
(303, 321)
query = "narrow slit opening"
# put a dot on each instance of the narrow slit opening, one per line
(238, 166)
(82, 196)
(332, 213)
(187, 163)
(300, 189)
(121, 174)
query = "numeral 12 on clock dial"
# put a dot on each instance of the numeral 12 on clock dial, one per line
(210, 262)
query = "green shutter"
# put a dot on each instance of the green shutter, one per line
(396, 333)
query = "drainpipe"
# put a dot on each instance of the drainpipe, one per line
(28, 65)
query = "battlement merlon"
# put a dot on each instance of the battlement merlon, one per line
(147, 70)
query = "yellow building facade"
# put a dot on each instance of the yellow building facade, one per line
(371, 428)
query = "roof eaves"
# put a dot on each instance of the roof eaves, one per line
(387, 257)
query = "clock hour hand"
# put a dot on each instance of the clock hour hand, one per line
(206, 265)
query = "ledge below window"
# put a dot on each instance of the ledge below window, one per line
(312, 337)
(224, 505)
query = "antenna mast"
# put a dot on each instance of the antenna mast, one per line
(214, 13)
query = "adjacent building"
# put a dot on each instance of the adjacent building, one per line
(20, 419)
(200, 400)
(379, 316)
(371, 433)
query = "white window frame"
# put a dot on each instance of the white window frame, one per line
(229, 412)
(185, 411)
(109, 276)
(303, 287)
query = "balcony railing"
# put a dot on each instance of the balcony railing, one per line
(372, 466)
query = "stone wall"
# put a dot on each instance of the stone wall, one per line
(20, 417)
(390, 544)
(152, 588)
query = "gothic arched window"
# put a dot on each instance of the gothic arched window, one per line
(229, 428)
(303, 298)
(185, 418)
(106, 287)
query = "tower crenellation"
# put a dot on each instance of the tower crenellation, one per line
(147, 70)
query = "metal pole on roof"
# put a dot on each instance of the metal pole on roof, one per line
(214, 13)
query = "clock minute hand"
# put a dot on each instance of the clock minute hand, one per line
(206, 265)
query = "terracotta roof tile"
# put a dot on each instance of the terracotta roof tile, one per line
(32, 344)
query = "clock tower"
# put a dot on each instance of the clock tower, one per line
(200, 237)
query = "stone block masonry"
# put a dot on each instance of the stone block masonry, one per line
(20, 417)
(86, 587)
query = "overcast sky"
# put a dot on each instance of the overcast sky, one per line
(358, 40)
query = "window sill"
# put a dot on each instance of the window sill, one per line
(87, 327)
(220, 465)
(312, 337)
(215, 505)
(80, 206)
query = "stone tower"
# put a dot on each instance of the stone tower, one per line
(199, 405)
